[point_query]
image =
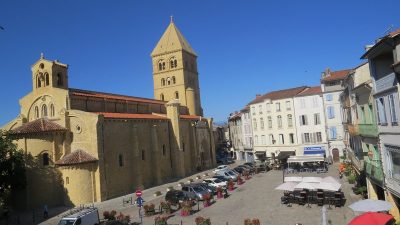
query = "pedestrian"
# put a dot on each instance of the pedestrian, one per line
(45, 212)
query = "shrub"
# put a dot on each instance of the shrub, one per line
(166, 207)
(161, 220)
(149, 209)
(351, 178)
(202, 221)
(157, 193)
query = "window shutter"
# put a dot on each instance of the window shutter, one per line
(334, 132)
(305, 119)
(302, 138)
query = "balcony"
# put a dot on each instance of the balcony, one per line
(353, 129)
(356, 162)
(368, 130)
(374, 171)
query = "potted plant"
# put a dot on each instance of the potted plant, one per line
(239, 180)
(219, 193)
(186, 208)
(202, 221)
(161, 220)
(246, 175)
(165, 207)
(256, 222)
(149, 210)
(231, 185)
(351, 179)
(207, 200)
(251, 222)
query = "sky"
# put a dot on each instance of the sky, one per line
(244, 48)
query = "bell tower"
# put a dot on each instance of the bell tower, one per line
(46, 73)
(175, 73)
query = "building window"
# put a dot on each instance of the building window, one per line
(260, 109)
(255, 124)
(162, 82)
(393, 159)
(268, 107)
(162, 97)
(380, 103)
(262, 123)
(163, 150)
(269, 122)
(36, 112)
(256, 140)
(362, 114)
(281, 139)
(253, 110)
(271, 139)
(44, 110)
(329, 97)
(39, 82)
(173, 63)
(279, 121)
(183, 146)
(173, 80)
(290, 120)
(330, 112)
(161, 65)
(45, 159)
(302, 103)
(59, 79)
(319, 137)
(121, 160)
(393, 111)
(143, 155)
(291, 138)
(168, 81)
(67, 180)
(315, 101)
(317, 119)
(303, 120)
(288, 106)
(176, 95)
(52, 111)
(333, 133)
(46, 75)
(263, 139)
(306, 138)
(370, 112)
(278, 106)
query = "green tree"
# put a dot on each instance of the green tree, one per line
(12, 169)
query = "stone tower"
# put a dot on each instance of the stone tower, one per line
(175, 73)
(47, 73)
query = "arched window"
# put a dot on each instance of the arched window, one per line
(159, 66)
(279, 121)
(44, 110)
(269, 122)
(262, 123)
(175, 63)
(290, 120)
(162, 82)
(171, 63)
(163, 149)
(36, 112)
(168, 81)
(121, 160)
(52, 110)
(39, 83)
(162, 97)
(47, 79)
(45, 159)
(163, 66)
(59, 79)
(173, 80)
(176, 95)
(67, 180)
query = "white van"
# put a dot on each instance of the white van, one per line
(228, 174)
(87, 216)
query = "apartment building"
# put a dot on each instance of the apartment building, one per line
(310, 122)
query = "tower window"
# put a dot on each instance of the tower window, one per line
(45, 159)
(163, 149)
(173, 63)
(52, 110)
(44, 110)
(39, 83)
(168, 81)
(121, 160)
(159, 66)
(36, 112)
(177, 95)
(143, 155)
(59, 79)
(162, 82)
(47, 79)
(67, 180)
(173, 80)
(41, 65)
(162, 97)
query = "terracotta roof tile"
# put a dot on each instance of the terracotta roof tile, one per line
(94, 94)
(311, 91)
(192, 117)
(394, 33)
(38, 126)
(337, 75)
(281, 94)
(76, 157)
(131, 116)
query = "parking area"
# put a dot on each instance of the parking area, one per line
(256, 198)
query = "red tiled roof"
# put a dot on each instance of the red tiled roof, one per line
(94, 94)
(76, 157)
(311, 91)
(336, 75)
(394, 33)
(38, 126)
(131, 116)
(380, 41)
(191, 117)
(274, 95)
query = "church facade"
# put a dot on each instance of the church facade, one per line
(86, 146)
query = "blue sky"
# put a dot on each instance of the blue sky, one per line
(244, 47)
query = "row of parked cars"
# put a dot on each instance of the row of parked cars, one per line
(197, 191)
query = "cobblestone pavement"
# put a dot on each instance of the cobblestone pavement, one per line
(256, 198)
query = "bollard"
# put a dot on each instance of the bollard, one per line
(181, 222)
(198, 205)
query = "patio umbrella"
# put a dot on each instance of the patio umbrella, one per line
(327, 186)
(293, 179)
(287, 186)
(330, 179)
(371, 218)
(370, 205)
(304, 185)
(312, 179)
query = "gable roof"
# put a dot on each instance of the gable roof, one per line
(109, 96)
(76, 157)
(280, 94)
(311, 91)
(38, 126)
(381, 40)
(336, 75)
(172, 40)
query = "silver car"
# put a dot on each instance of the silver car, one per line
(195, 191)
(227, 173)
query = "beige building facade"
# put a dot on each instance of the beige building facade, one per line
(86, 146)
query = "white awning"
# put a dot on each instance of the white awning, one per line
(305, 158)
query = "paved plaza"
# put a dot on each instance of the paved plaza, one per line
(256, 198)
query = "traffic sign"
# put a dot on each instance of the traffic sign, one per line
(138, 193)
(139, 201)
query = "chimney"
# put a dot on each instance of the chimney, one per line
(326, 73)
(258, 95)
(368, 47)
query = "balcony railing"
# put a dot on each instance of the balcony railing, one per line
(358, 163)
(370, 130)
(353, 129)
(373, 170)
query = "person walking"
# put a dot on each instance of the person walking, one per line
(45, 212)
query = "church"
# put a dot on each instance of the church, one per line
(87, 146)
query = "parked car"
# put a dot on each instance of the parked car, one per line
(222, 178)
(251, 164)
(221, 167)
(248, 168)
(194, 191)
(227, 173)
(176, 197)
(209, 188)
(87, 216)
(240, 170)
(215, 182)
